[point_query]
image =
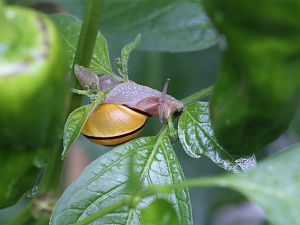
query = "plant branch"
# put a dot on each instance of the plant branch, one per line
(88, 33)
(197, 96)
(86, 42)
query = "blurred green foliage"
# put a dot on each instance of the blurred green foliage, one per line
(258, 88)
(189, 72)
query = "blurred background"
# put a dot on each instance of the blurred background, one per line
(190, 69)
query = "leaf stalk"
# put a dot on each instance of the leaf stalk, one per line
(197, 96)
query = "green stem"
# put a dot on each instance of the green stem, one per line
(86, 42)
(153, 69)
(197, 96)
(80, 92)
(87, 39)
(88, 33)
(172, 130)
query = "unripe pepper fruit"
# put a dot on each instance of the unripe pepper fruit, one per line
(33, 95)
(33, 81)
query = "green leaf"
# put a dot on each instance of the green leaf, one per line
(159, 212)
(100, 60)
(70, 29)
(125, 53)
(257, 90)
(197, 137)
(168, 25)
(274, 185)
(105, 182)
(76, 121)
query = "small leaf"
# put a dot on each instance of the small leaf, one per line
(274, 185)
(70, 29)
(105, 182)
(159, 212)
(76, 121)
(100, 60)
(197, 137)
(125, 53)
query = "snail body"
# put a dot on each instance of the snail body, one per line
(144, 99)
(125, 110)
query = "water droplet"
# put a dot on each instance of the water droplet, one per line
(32, 192)
(222, 42)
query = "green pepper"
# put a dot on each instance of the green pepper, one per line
(34, 92)
(257, 90)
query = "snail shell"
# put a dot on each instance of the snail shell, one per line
(112, 124)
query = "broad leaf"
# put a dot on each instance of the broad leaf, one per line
(104, 182)
(167, 25)
(274, 185)
(257, 89)
(197, 137)
(76, 121)
(70, 29)
(159, 212)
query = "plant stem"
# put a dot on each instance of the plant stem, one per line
(87, 39)
(88, 33)
(86, 42)
(153, 69)
(197, 96)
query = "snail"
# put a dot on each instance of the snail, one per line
(125, 110)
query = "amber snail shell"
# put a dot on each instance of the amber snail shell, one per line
(112, 124)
